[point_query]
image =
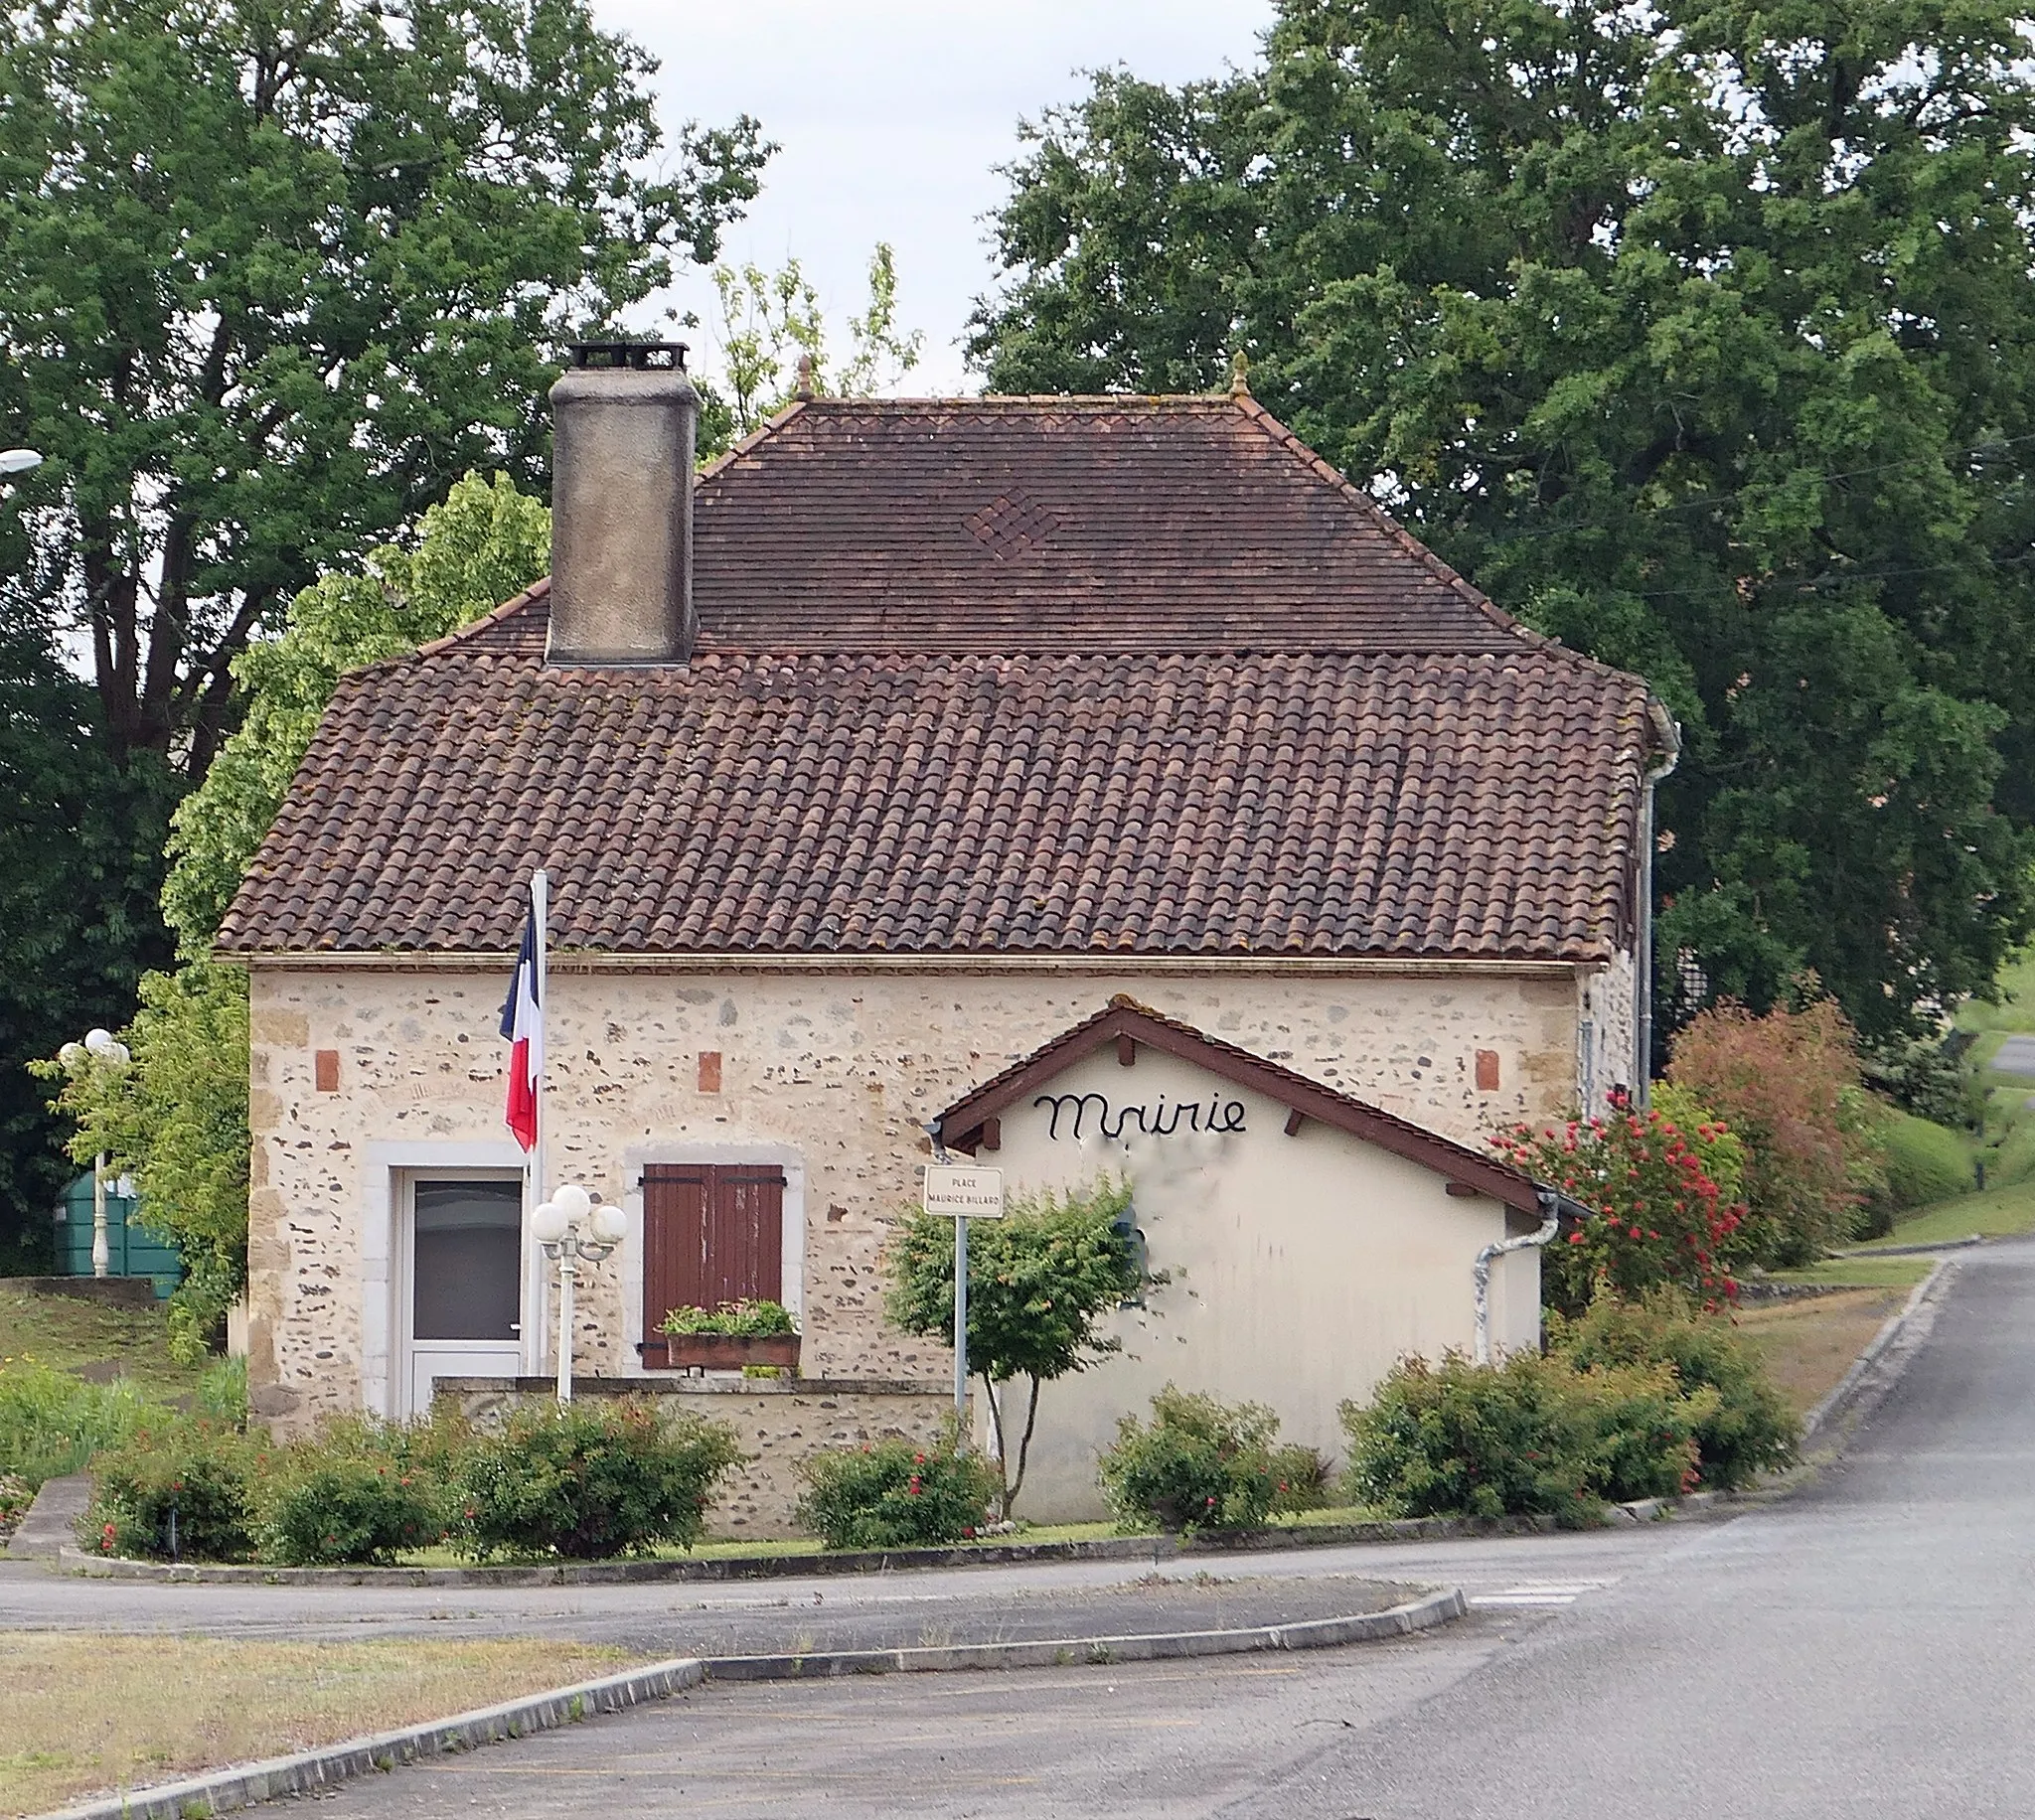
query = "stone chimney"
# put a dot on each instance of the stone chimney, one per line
(624, 422)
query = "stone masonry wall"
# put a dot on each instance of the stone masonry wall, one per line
(842, 1069)
(778, 1426)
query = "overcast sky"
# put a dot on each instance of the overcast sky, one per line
(892, 117)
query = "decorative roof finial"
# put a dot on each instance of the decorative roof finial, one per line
(804, 390)
(1239, 365)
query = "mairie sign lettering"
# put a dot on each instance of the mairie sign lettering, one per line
(1079, 1113)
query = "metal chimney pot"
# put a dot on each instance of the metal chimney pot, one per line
(625, 423)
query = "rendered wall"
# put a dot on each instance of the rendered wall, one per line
(834, 1074)
(1300, 1268)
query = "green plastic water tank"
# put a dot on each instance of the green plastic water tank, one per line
(131, 1249)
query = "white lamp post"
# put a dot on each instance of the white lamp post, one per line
(99, 1046)
(573, 1226)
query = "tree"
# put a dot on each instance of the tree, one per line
(1701, 337)
(774, 338)
(1790, 1085)
(273, 273)
(80, 852)
(480, 546)
(1040, 1281)
(177, 1117)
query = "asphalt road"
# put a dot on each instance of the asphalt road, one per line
(1862, 1649)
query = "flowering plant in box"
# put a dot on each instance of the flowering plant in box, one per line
(1654, 1211)
(751, 1320)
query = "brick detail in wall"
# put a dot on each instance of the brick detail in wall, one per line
(325, 1070)
(1487, 1071)
(710, 1070)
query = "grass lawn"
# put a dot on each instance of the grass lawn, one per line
(1808, 1345)
(721, 1548)
(1900, 1272)
(1995, 1213)
(71, 1334)
(87, 1713)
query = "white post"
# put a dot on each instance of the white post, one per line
(961, 1331)
(567, 1272)
(102, 1253)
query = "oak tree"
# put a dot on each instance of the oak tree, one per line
(1700, 336)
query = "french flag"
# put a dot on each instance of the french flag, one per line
(523, 1025)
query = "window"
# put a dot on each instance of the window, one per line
(712, 1233)
(465, 1269)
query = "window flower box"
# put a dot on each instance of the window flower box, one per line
(719, 1351)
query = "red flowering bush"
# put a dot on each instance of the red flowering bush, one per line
(1655, 1212)
(1790, 1085)
(177, 1490)
(897, 1495)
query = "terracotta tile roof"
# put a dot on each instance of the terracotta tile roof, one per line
(1100, 676)
(966, 1125)
(1108, 523)
(1201, 803)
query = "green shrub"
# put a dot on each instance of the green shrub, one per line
(753, 1320)
(1924, 1076)
(1641, 1430)
(177, 1490)
(1478, 1440)
(588, 1480)
(1924, 1162)
(15, 1498)
(52, 1424)
(895, 1495)
(1302, 1478)
(359, 1492)
(1745, 1432)
(1198, 1464)
(223, 1391)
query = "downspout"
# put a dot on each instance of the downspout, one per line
(1670, 735)
(1551, 1222)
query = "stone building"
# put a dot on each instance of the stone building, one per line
(899, 743)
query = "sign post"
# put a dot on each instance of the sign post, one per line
(963, 1193)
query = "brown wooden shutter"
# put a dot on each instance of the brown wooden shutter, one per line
(710, 1235)
(675, 1202)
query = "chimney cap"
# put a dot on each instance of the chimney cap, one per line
(641, 354)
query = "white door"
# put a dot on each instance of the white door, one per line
(463, 1304)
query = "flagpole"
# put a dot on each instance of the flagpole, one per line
(539, 912)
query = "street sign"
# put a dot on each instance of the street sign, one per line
(964, 1193)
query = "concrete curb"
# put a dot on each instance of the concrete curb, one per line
(1155, 1549)
(310, 1770)
(1862, 1383)
(1910, 1251)
(1440, 1607)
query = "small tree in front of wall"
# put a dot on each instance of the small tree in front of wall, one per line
(1040, 1280)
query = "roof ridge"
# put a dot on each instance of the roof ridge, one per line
(762, 433)
(1037, 400)
(539, 589)
(1318, 464)
(1467, 590)
(988, 402)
